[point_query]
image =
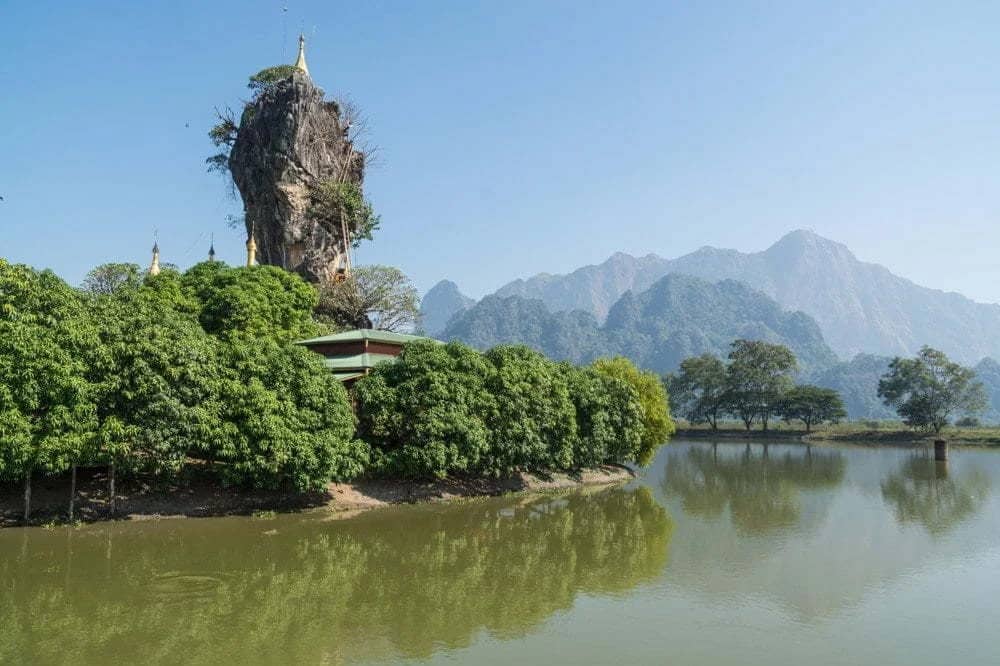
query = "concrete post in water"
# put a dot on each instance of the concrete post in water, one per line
(940, 450)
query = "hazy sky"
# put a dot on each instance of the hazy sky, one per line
(519, 137)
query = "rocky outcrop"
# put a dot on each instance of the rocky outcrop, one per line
(290, 140)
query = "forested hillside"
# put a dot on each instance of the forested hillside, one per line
(860, 307)
(679, 316)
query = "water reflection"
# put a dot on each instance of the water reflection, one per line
(759, 488)
(297, 590)
(925, 492)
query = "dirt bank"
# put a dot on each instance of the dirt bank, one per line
(203, 496)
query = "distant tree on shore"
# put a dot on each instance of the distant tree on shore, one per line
(927, 390)
(758, 376)
(698, 392)
(812, 405)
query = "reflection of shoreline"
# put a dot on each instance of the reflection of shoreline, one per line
(759, 489)
(846, 546)
(300, 590)
(924, 491)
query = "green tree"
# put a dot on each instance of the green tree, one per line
(337, 204)
(284, 418)
(534, 424)
(698, 392)
(262, 301)
(657, 424)
(46, 412)
(155, 377)
(609, 417)
(106, 279)
(379, 297)
(759, 374)
(429, 413)
(812, 405)
(927, 390)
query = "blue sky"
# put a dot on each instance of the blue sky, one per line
(519, 137)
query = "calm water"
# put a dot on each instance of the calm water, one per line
(719, 555)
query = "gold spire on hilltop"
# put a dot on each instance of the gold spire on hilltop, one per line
(154, 266)
(300, 62)
(251, 250)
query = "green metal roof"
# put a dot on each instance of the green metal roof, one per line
(365, 334)
(356, 361)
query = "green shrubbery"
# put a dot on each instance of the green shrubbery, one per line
(152, 374)
(448, 409)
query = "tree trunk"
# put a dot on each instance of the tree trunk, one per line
(111, 488)
(72, 493)
(27, 496)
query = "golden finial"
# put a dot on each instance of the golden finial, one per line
(300, 62)
(154, 266)
(251, 250)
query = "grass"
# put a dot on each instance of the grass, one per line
(889, 432)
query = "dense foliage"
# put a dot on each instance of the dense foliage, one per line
(811, 405)
(152, 375)
(447, 409)
(755, 385)
(928, 389)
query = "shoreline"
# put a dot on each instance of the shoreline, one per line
(205, 498)
(864, 437)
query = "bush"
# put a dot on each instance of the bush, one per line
(427, 414)
(657, 426)
(448, 409)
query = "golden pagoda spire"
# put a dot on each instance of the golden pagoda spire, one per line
(300, 62)
(154, 266)
(251, 250)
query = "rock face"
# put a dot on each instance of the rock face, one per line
(290, 140)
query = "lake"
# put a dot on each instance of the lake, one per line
(718, 554)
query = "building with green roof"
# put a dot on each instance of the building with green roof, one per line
(352, 354)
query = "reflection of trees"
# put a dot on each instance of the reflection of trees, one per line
(761, 490)
(386, 585)
(923, 491)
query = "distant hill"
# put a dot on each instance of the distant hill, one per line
(677, 317)
(440, 304)
(860, 307)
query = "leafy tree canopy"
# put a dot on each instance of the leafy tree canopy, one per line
(263, 301)
(657, 424)
(380, 297)
(759, 374)
(812, 405)
(927, 390)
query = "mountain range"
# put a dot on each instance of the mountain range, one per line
(805, 291)
(677, 317)
(860, 307)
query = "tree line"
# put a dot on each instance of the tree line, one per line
(756, 384)
(152, 375)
